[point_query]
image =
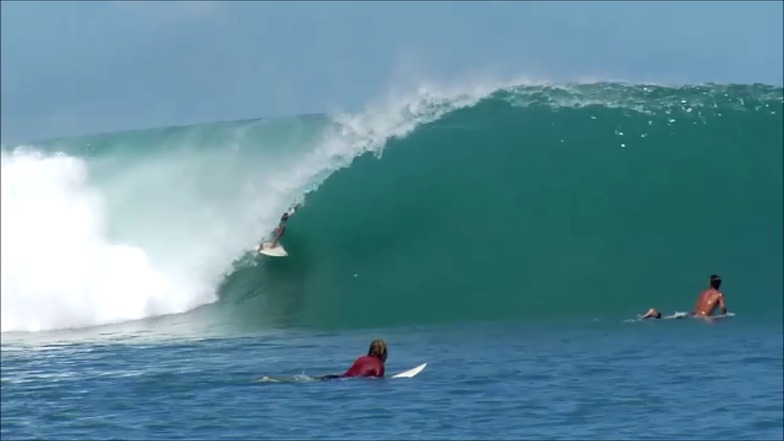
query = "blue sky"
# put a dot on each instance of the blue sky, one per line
(74, 68)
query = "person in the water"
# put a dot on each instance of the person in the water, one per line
(278, 231)
(651, 314)
(281, 229)
(706, 304)
(710, 299)
(370, 365)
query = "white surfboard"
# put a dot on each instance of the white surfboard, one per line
(684, 315)
(277, 251)
(716, 317)
(411, 373)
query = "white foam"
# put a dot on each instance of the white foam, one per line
(59, 270)
(156, 235)
(395, 117)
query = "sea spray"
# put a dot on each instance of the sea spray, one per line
(59, 268)
(125, 226)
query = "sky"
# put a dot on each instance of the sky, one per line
(71, 68)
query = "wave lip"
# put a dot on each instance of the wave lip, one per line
(486, 195)
(119, 227)
(540, 203)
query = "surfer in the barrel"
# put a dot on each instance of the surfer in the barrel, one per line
(370, 365)
(278, 231)
(707, 302)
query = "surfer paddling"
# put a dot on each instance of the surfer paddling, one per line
(370, 365)
(706, 304)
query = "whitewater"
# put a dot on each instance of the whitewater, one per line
(605, 182)
(99, 231)
(523, 221)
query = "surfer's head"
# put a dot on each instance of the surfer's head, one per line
(378, 349)
(285, 216)
(715, 281)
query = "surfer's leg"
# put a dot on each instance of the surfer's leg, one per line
(652, 313)
(278, 236)
(330, 377)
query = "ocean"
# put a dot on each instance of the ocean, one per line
(505, 234)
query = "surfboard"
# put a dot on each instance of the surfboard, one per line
(716, 317)
(684, 315)
(277, 251)
(411, 373)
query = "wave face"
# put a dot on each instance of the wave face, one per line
(487, 203)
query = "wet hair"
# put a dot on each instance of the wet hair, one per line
(658, 315)
(378, 349)
(285, 216)
(715, 281)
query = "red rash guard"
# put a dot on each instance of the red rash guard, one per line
(366, 366)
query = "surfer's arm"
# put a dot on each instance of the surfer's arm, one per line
(722, 305)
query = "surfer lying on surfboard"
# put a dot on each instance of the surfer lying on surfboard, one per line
(370, 365)
(707, 302)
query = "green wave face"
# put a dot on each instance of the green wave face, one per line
(524, 203)
(543, 203)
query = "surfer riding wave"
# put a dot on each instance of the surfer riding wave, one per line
(280, 229)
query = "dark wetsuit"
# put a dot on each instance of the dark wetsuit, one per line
(364, 366)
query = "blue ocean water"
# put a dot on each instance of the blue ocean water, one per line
(573, 380)
(504, 235)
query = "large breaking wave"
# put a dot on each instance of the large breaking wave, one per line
(488, 202)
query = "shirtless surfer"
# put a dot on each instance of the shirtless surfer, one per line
(281, 229)
(707, 302)
(278, 231)
(710, 299)
(370, 365)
